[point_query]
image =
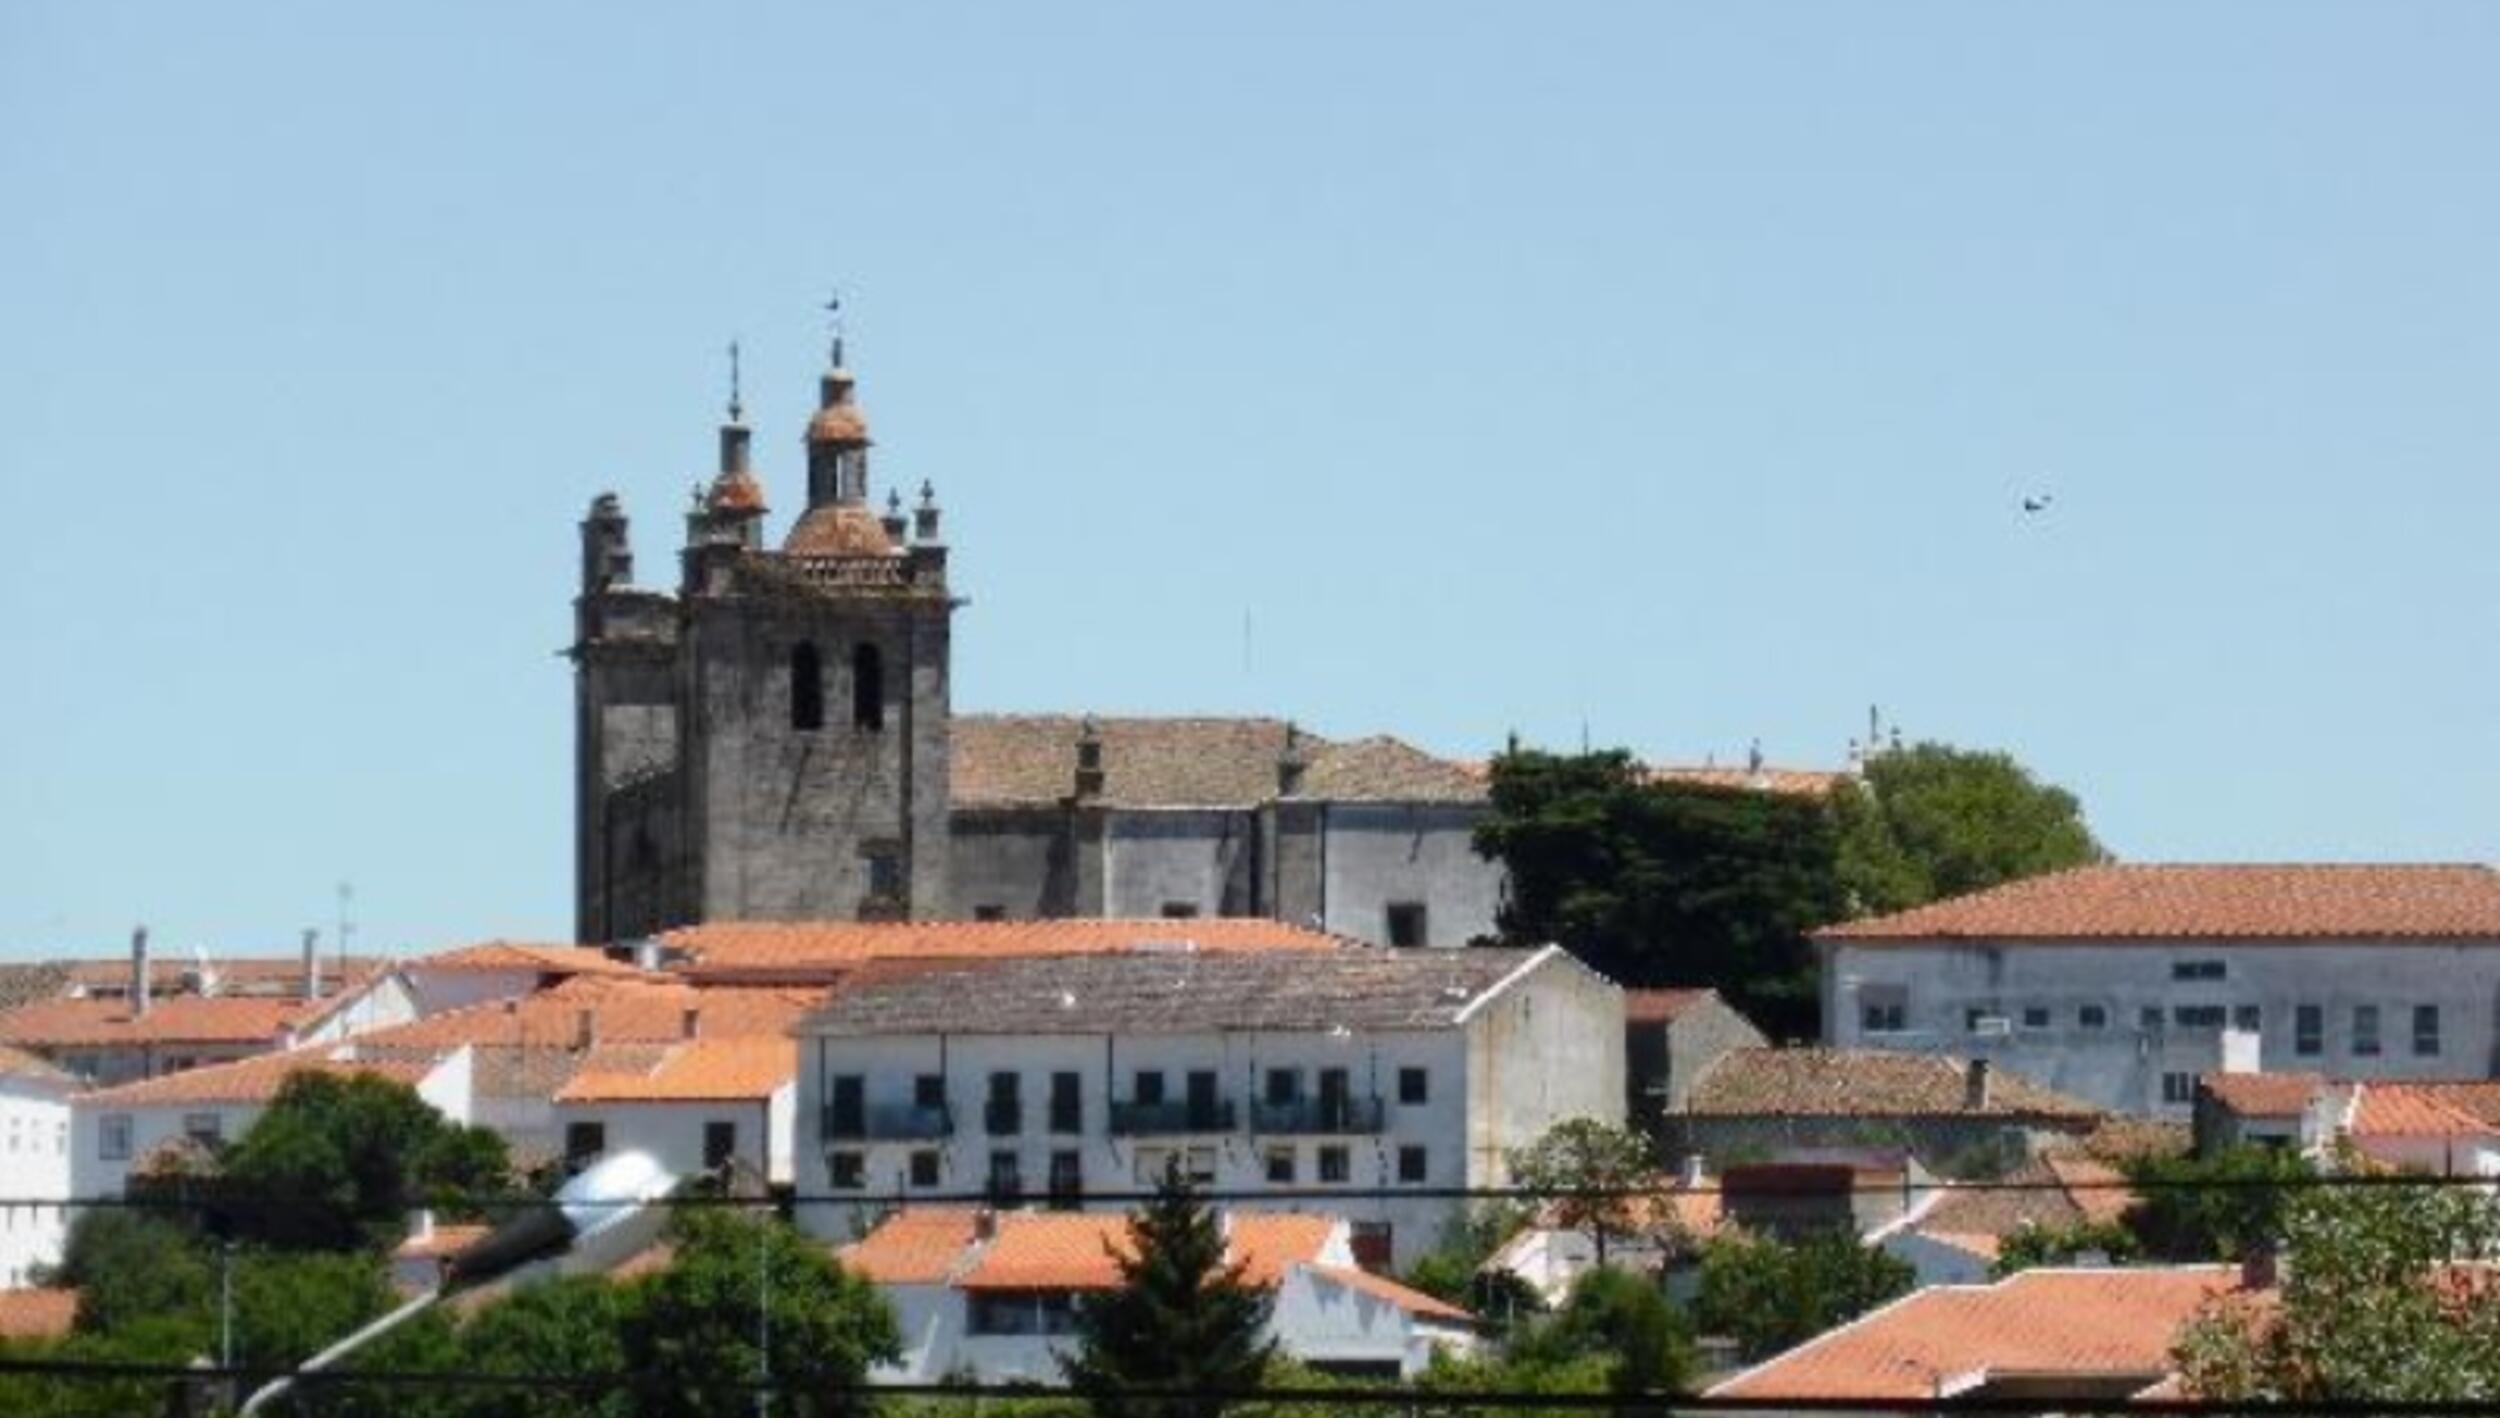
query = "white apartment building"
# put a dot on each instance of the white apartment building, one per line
(2121, 984)
(34, 1167)
(1298, 1074)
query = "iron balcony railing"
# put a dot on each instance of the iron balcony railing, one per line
(1319, 1115)
(889, 1122)
(1161, 1119)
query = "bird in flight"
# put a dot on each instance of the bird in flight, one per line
(2037, 502)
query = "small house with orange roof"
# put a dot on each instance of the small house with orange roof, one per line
(500, 970)
(714, 1105)
(995, 1293)
(2446, 1127)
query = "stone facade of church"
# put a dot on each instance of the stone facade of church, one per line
(774, 740)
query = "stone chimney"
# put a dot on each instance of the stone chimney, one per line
(1978, 1090)
(585, 1028)
(312, 963)
(141, 987)
(1089, 776)
(1291, 763)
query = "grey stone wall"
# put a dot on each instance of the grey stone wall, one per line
(1376, 854)
(1203, 859)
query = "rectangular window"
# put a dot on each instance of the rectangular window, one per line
(1067, 1179)
(924, 1168)
(2036, 1017)
(2248, 1017)
(2178, 1088)
(928, 1090)
(2426, 1030)
(2092, 1016)
(1198, 1164)
(1201, 1098)
(1411, 1165)
(1179, 910)
(1406, 923)
(848, 1171)
(1004, 1114)
(1335, 1164)
(1280, 1166)
(1006, 1179)
(988, 912)
(885, 874)
(1414, 1086)
(2365, 1030)
(2308, 1029)
(2196, 970)
(205, 1128)
(1884, 1009)
(850, 1106)
(1067, 1108)
(1284, 1085)
(2198, 1016)
(584, 1141)
(720, 1144)
(1149, 1086)
(112, 1137)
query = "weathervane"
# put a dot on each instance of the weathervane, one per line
(737, 410)
(833, 314)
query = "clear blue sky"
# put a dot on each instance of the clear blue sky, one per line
(1672, 370)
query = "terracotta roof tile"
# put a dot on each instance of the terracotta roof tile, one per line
(1067, 1250)
(751, 1067)
(441, 1243)
(182, 1019)
(1385, 769)
(1661, 1006)
(918, 1245)
(2079, 1324)
(518, 955)
(2412, 1110)
(1268, 1241)
(1005, 759)
(1413, 1301)
(623, 1010)
(2172, 902)
(826, 950)
(2096, 1188)
(170, 975)
(252, 1080)
(37, 1314)
(17, 1063)
(2263, 1095)
(24, 984)
(1866, 1083)
(838, 529)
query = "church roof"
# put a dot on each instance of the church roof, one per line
(1003, 760)
(838, 529)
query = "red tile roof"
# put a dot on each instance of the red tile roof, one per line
(2078, 1324)
(2415, 1110)
(2159, 903)
(252, 1080)
(1061, 1250)
(918, 1245)
(1661, 1006)
(623, 1010)
(17, 1063)
(1413, 1301)
(2263, 1095)
(1872, 1083)
(705, 1070)
(442, 1243)
(828, 950)
(518, 955)
(183, 1019)
(37, 1314)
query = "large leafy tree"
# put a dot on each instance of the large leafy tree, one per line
(1588, 1168)
(339, 1162)
(1182, 1319)
(1621, 1318)
(559, 1328)
(2373, 1306)
(2213, 1207)
(749, 1300)
(1769, 1294)
(1662, 883)
(1932, 820)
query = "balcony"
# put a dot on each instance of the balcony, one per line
(1165, 1119)
(1323, 1116)
(890, 1122)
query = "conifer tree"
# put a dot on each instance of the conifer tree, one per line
(1182, 1320)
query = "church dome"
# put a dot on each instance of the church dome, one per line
(735, 491)
(838, 529)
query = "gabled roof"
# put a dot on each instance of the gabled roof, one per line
(2046, 1323)
(703, 1070)
(1008, 759)
(1385, 769)
(517, 956)
(1066, 1250)
(2263, 1095)
(1661, 1006)
(267, 975)
(637, 1009)
(2410, 1109)
(182, 1019)
(1380, 1287)
(1354, 988)
(2158, 903)
(828, 950)
(252, 1080)
(918, 1245)
(1867, 1083)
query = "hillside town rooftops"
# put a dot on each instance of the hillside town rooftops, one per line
(2155, 903)
(1869, 1083)
(2416, 1108)
(2094, 1326)
(182, 1019)
(1355, 988)
(2264, 1095)
(829, 950)
(509, 955)
(17, 1063)
(702, 1070)
(253, 1080)
(595, 1009)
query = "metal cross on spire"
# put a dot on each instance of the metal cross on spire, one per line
(737, 410)
(833, 316)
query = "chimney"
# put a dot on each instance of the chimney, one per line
(1976, 1092)
(985, 1225)
(1291, 763)
(139, 982)
(585, 1028)
(1693, 1173)
(691, 1022)
(1089, 777)
(312, 963)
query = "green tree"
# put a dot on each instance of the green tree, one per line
(1932, 821)
(1588, 1169)
(691, 1330)
(338, 1162)
(2372, 1307)
(2030, 1246)
(1182, 1319)
(1622, 1318)
(2213, 1207)
(1769, 1295)
(129, 1265)
(1660, 883)
(570, 1325)
(1453, 1270)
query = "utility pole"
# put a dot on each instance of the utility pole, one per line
(764, 1318)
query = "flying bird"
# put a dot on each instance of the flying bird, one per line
(2037, 502)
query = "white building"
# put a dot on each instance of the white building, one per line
(113, 1131)
(34, 1130)
(994, 1294)
(2121, 984)
(703, 1106)
(1296, 1072)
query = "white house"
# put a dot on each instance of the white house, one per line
(113, 1131)
(994, 1294)
(1367, 1069)
(34, 1130)
(2121, 984)
(700, 1106)
(2443, 1127)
